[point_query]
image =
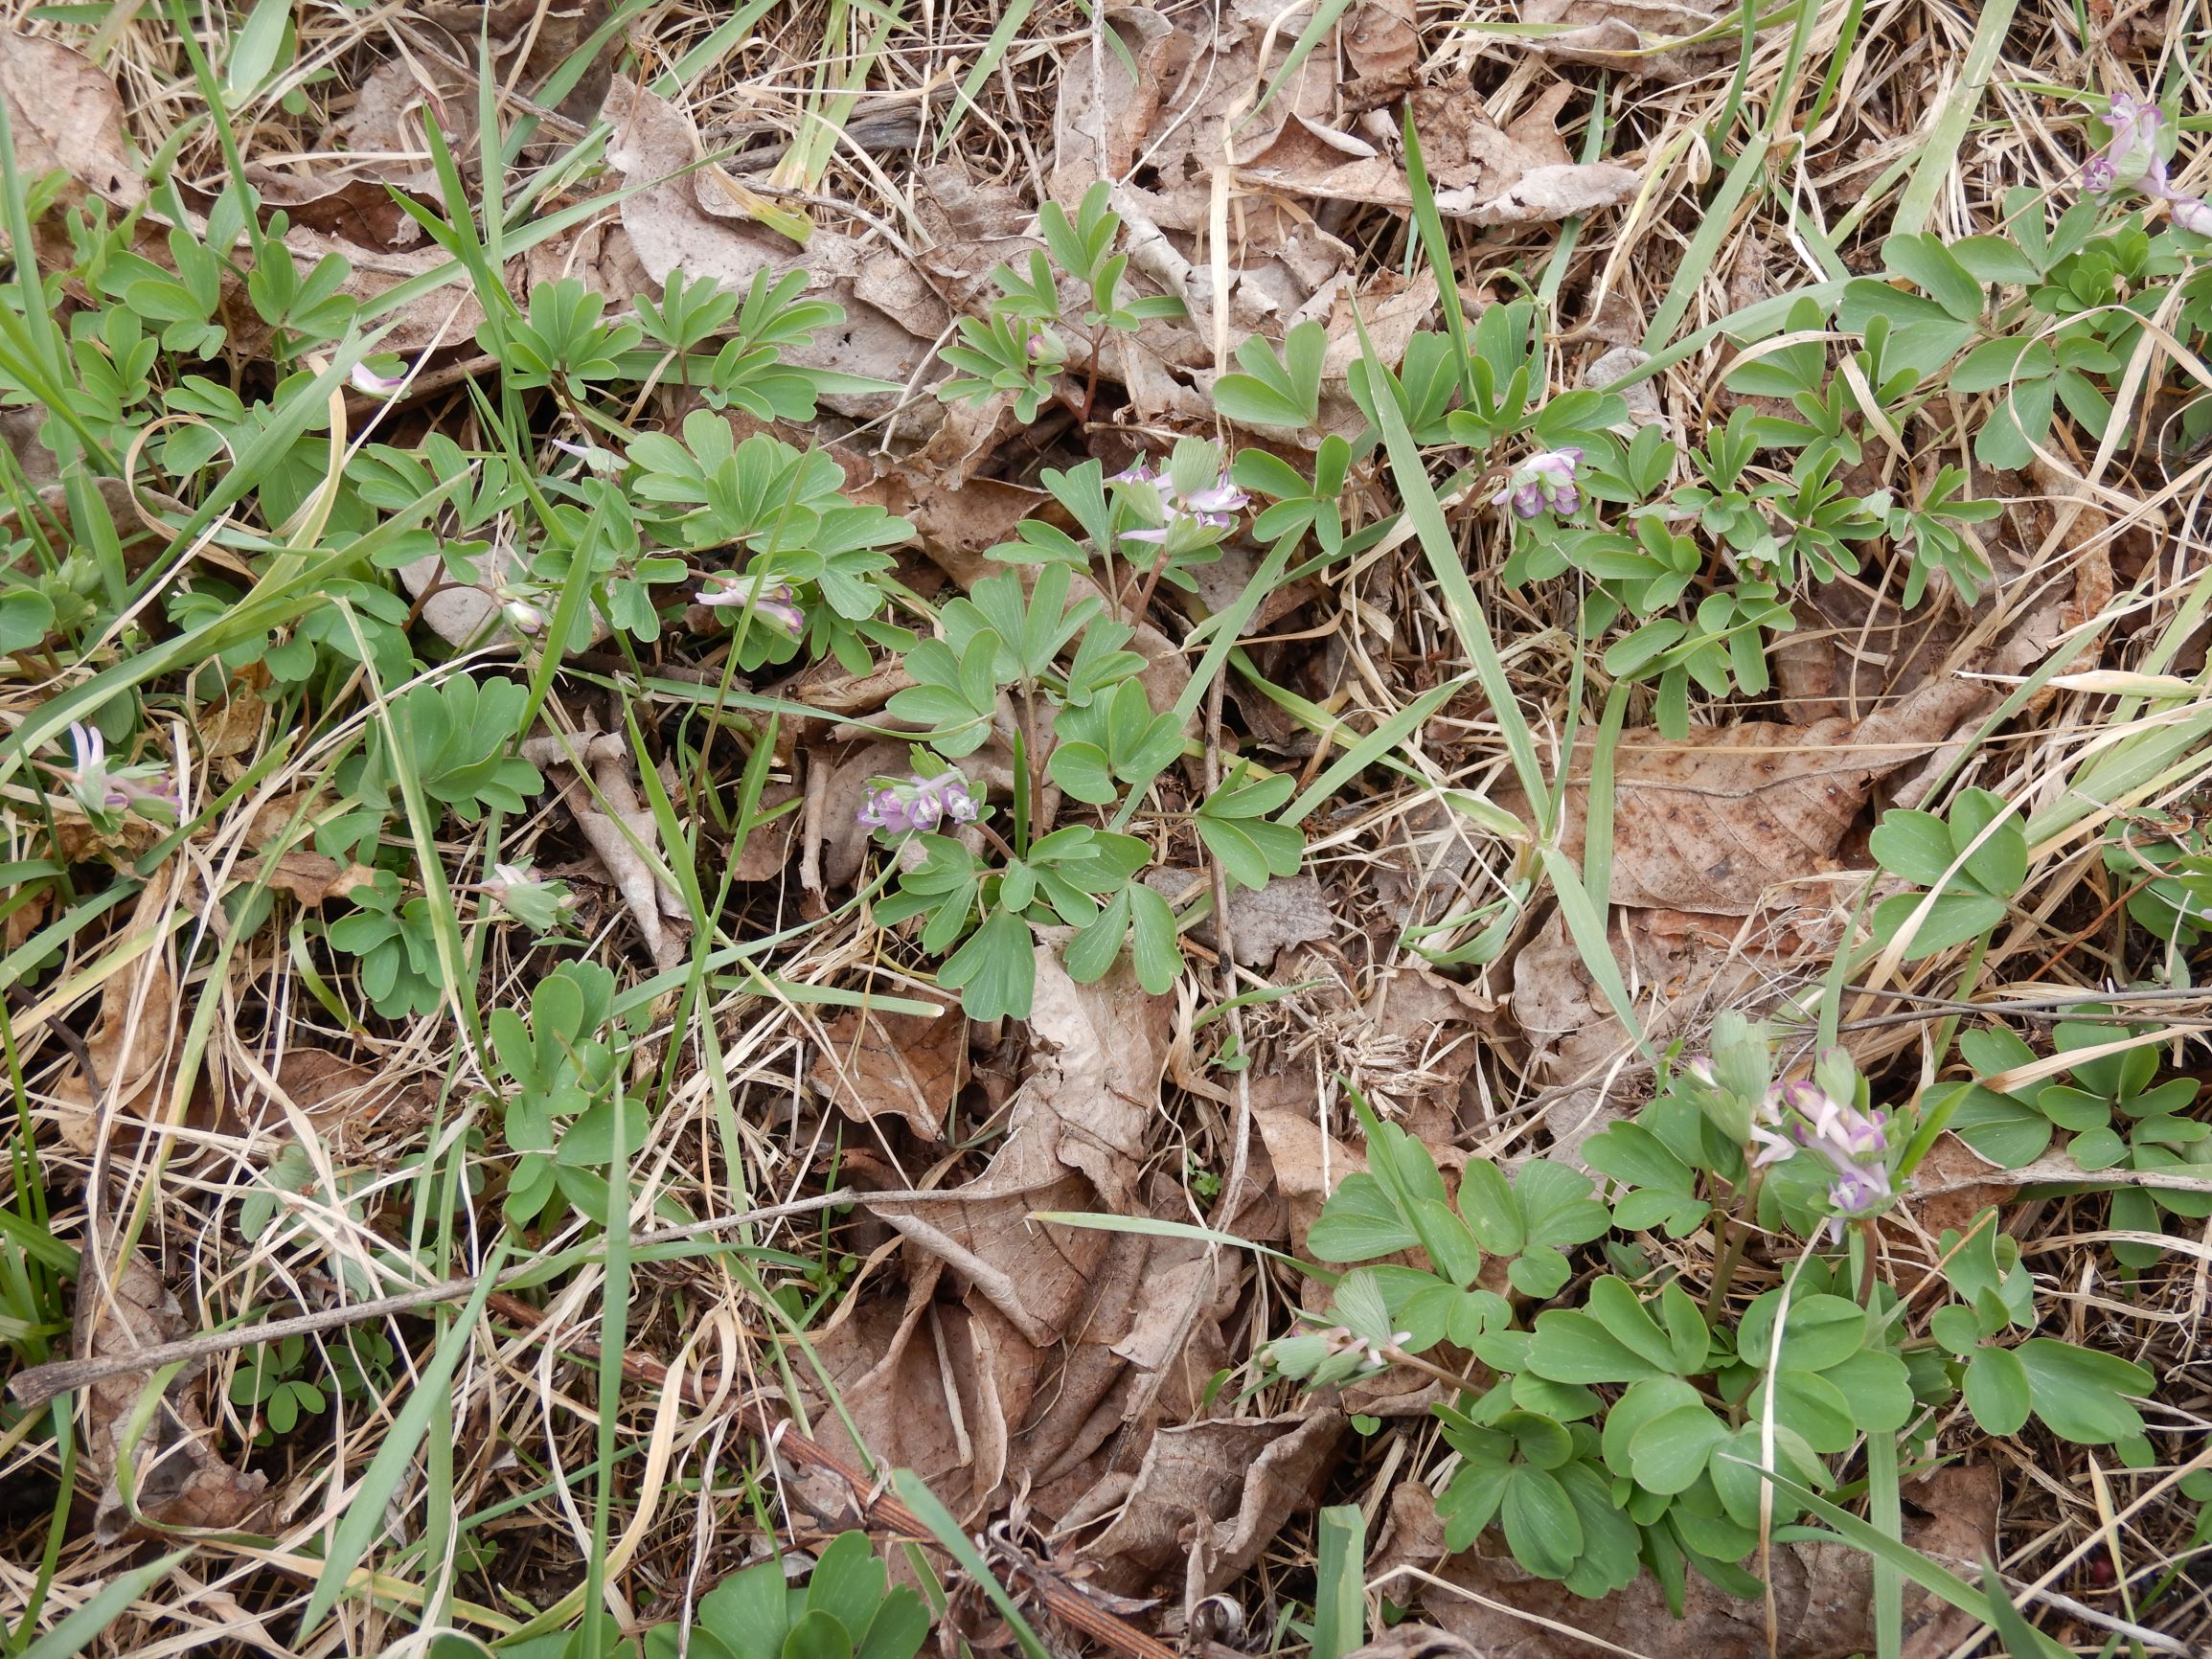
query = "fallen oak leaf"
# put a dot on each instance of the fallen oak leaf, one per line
(1518, 174)
(66, 117)
(1382, 44)
(308, 878)
(874, 1064)
(176, 1480)
(1628, 36)
(616, 834)
(126, 1069)
(1729, 816)
(1211, 1496)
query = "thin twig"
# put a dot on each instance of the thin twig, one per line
(40, 1383)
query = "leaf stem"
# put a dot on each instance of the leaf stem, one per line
(1738, 1232)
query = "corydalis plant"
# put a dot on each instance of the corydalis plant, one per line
(1544, 483)
(107, 792)
(1804, 1117)
(904, 806)
(771, 604)
(2135, 159)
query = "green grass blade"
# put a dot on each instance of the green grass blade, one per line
(1459, 601)
(1370, 749)
(934, 1516)
(82, 1627)
(1939, 156)
(1340, 1586)
(1705, 246)
(363, 1521)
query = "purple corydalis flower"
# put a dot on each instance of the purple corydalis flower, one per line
(366, 379)
(920, 803)
(100, 790)
(2130, 159)
(2193, 215)
(1544, 480)
(1855, 1144)
(774, 603)
(1214, 506)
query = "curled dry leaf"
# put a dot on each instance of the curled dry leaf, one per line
(1211, 1496)
(874, 1065)
(1080, 1339)
(177, 1479)
(1290, 910)
(336, 1093)
(615, 834)
(1953, 1184)
(656, 148)
(309, 878)
(670, 228)
(66, 117)
(1729, 816)
(1382, 44)
(1628, 36)
(133, 1048)
(1520, 174)
(1418, 1642)
(1309, 1164)
(1685, 967)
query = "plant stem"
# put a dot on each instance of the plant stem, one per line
(1738, 1232)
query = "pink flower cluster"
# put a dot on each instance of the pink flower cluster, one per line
(2132, 161)
(1543, 481)
(1855, 1144)
(773, 602)
(1213, 507)
(920, 803)
(100, 789)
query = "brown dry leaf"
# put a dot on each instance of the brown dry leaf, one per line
(1416, 1642)
(448, 315)
(1731, 816)
(1953, 1183)
(657, 909)
(1629, 36)
(1520, 174)
(898, 1065)
(1823, 1593)
(1124, 1338)
(383, 134)
(837, 829)
(234, 726)
(309, 878)
(1290, 910)
(1308, 1164)
(134, 1068)
(178, 1479)
(768, 846)
(333, 1090)
(656, 148)
(672, 227)
(1105, 112)
(349, 207)
(1189, 106)
(1382, 45)
(1211, 1496)
(67, 117)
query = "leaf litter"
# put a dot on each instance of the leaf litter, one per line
(1063, 1373)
